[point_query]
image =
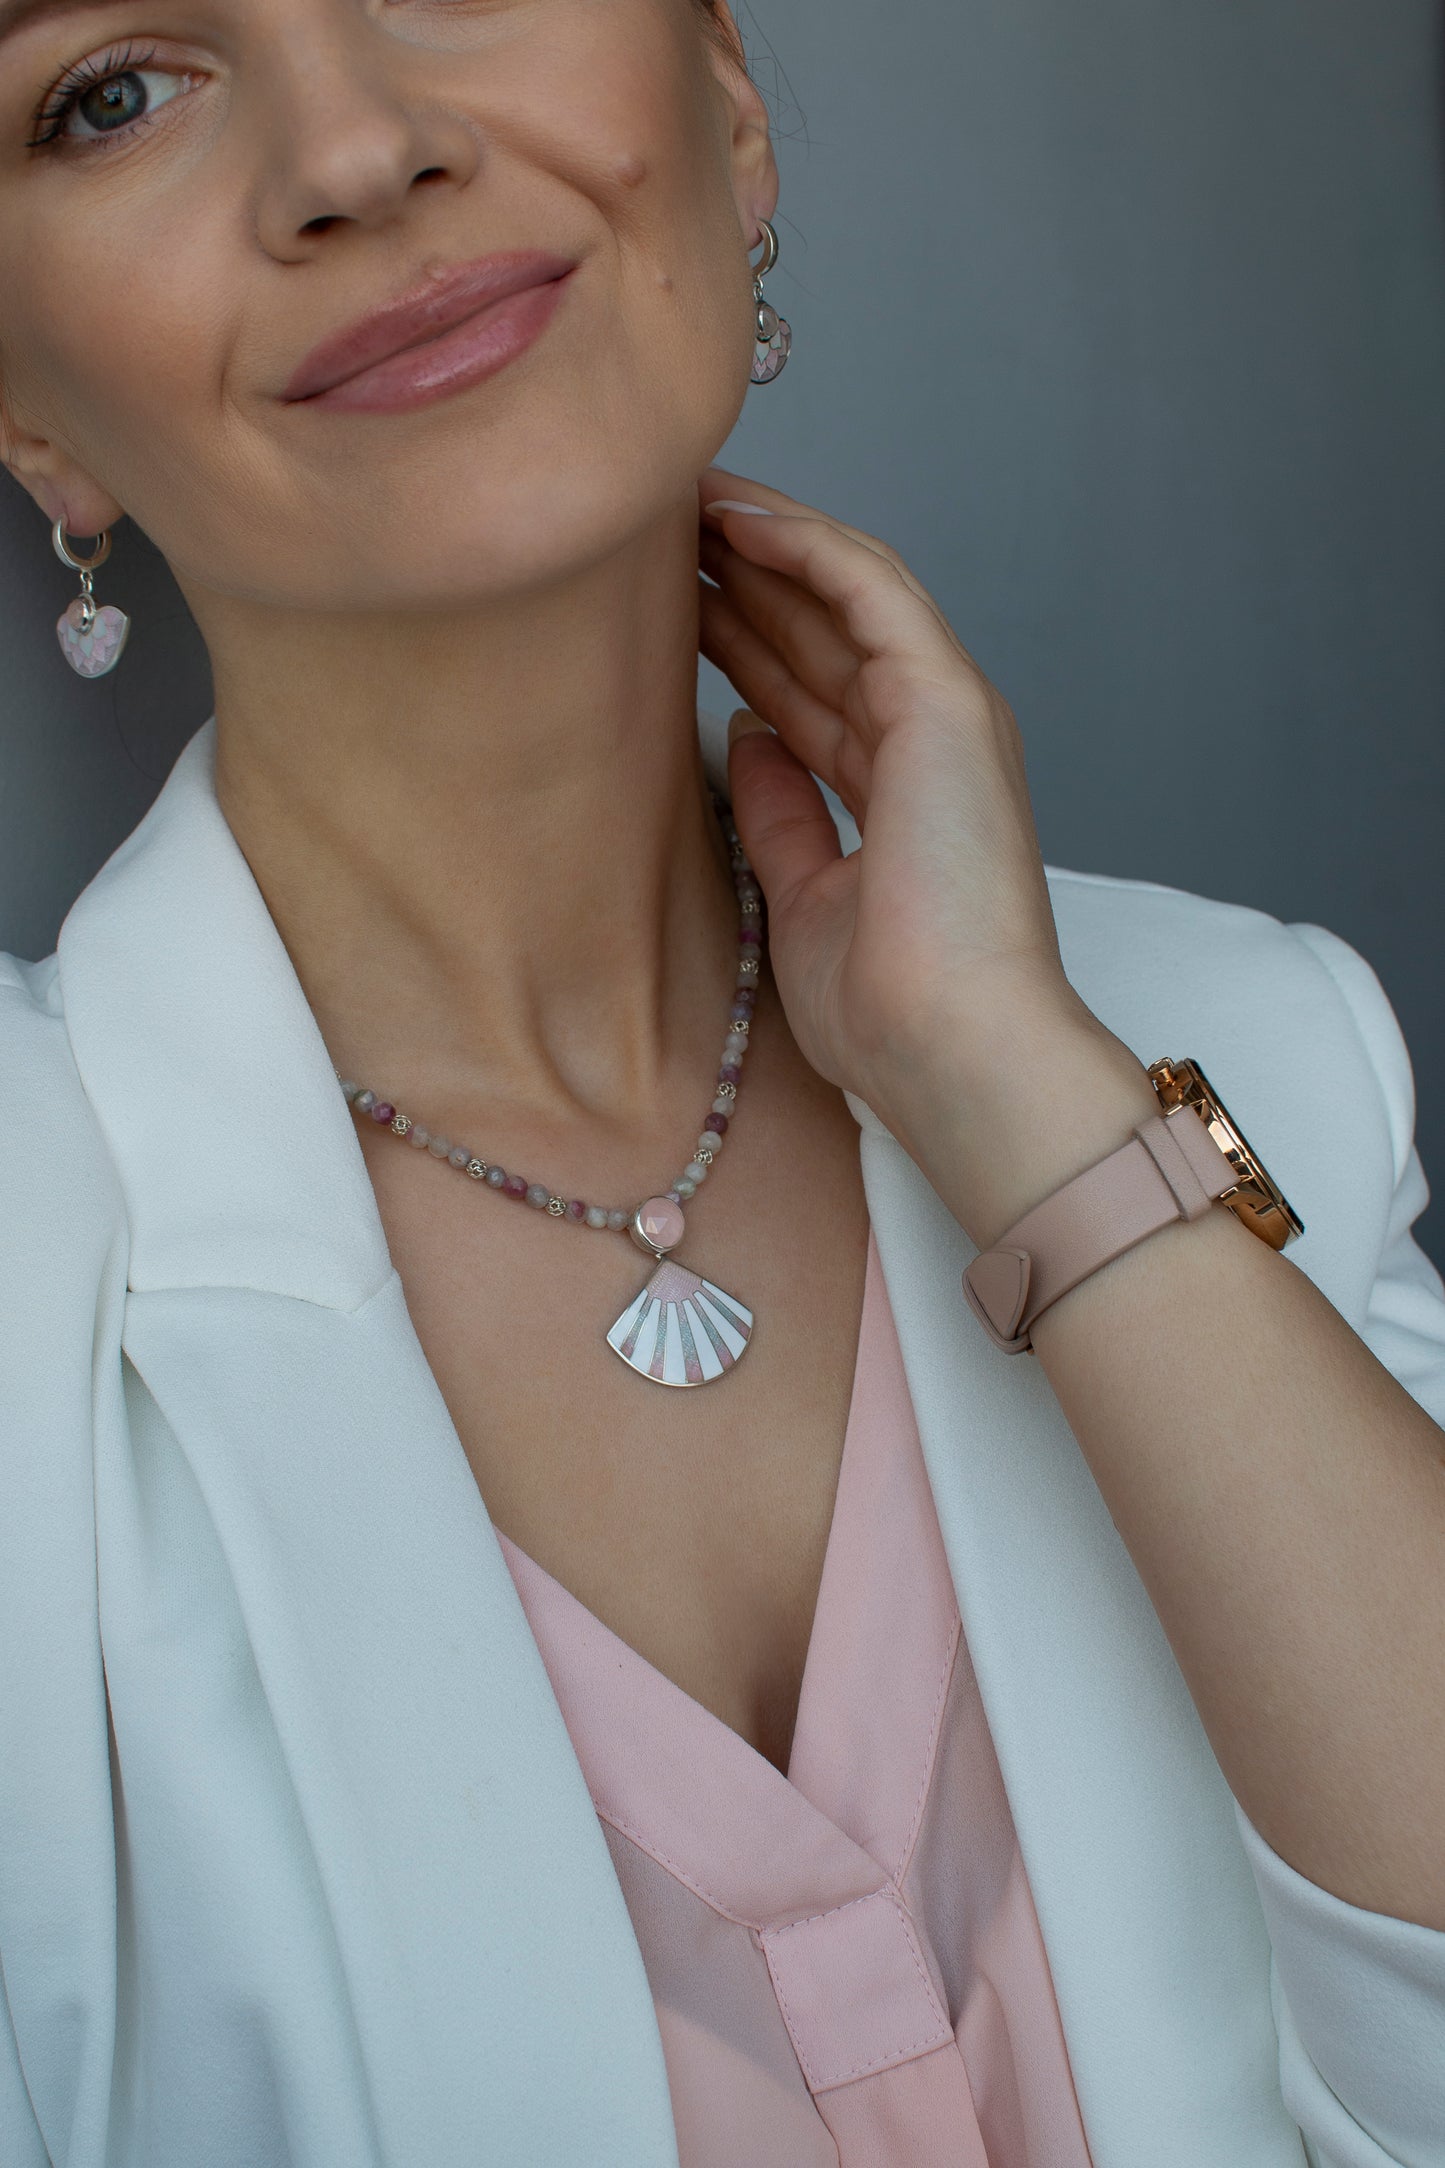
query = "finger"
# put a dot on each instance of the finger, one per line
(798, 624)
(812, 730)
(722, 482)
(781, 814)
(880, 612)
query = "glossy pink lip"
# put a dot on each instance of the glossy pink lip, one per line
(420, 318)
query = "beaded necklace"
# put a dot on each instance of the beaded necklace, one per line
(680, 1329)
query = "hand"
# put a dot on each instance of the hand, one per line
(925, 964)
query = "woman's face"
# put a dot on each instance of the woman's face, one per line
(255, 175)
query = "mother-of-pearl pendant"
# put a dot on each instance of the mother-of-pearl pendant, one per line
(680, 1329)
(93, 651)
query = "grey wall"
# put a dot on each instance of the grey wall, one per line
(1126, 324)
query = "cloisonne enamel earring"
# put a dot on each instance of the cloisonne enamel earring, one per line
(774, 335)
(90, 638)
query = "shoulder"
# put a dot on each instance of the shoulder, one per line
(62, 1219)
(1123, 933)
(1154, 954)
(1295, 1032)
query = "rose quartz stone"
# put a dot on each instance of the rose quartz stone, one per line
(662, 1222)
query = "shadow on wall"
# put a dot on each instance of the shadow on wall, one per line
(81, 759)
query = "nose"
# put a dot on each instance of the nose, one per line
(354, 119)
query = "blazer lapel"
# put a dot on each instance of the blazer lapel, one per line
(496, 1990)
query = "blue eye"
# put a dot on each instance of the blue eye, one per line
(109, 97)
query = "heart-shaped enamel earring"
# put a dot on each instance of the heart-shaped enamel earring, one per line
(774, 336)
(90, 638)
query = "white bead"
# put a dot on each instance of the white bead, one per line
(618, 1218)
(596, 1215)
(440, 1147)
(683, 1187)
(723, 1106)
(709, 1141)
(417, 1135)
(694, 1171)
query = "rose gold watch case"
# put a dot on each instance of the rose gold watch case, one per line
(1255, 1199)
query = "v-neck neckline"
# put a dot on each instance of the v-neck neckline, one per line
(698, 1796)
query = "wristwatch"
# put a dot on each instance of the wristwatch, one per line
(1174, 1167)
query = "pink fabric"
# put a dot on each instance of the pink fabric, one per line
(845, 1962)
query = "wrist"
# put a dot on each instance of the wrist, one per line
(995, 1142)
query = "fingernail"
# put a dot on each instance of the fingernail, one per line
(741, 721)
(735, 504)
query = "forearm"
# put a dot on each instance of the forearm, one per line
(1283, 1498)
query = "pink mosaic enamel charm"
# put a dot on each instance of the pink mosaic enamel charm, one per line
(774, 339)
(91, 654)
(681, 1329)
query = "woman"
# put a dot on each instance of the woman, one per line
(418, 1743)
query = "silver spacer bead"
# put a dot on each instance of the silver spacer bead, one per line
(400, 1125)
(557, 1206)
(741, 1030)
(747, 967)
(727, 1091)
(477, 1169)
(703, 1155)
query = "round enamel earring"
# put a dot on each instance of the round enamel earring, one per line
(90, 638)
(774, 335)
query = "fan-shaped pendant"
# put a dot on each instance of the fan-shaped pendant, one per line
(681, 1330)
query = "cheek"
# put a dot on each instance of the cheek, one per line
(630, 118)
(123, 347)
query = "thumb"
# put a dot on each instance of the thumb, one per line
(781, 813)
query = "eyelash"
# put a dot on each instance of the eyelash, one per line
(62, 100)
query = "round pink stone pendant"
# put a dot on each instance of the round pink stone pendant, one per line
(657, 1225)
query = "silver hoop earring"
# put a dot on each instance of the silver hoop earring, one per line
(774, 336)
(90, 638)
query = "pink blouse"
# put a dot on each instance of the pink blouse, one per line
(845, 1962)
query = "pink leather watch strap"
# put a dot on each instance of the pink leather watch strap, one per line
(1171, 1169)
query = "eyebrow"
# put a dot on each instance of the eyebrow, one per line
(18, 15)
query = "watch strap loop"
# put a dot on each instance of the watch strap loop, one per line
(1170, 1169)
(1188, 1158)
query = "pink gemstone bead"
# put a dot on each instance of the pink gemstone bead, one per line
(740, 1012)
(515, 1186)
(719, 1122)
(661, 1220)
(730, 1072)
(382, 1111)
(750, 934)
(576, 1209)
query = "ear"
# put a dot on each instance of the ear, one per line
(57, 483)
(754, 168)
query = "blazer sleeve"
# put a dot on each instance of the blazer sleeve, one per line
(1359, 1997)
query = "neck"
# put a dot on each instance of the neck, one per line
(486, 839)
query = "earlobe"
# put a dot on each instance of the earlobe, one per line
(71, 496)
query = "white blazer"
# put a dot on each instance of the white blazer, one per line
(297, 1866)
